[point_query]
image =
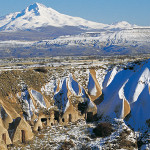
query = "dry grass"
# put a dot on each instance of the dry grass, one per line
(67, 145)
(40, 136)
(10, 84)
(10, 81)
(124, 142)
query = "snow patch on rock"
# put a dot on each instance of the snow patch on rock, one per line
(39, 98)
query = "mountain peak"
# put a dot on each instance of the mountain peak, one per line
(38, 15)
(36, 7)
(39, 9)
(33, 6)
(125, 23)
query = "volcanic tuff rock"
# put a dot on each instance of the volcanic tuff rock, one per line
(122, 92)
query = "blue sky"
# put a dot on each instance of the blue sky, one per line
(104, 11)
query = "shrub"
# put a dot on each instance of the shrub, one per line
(131, 67)
(127, 144)
(103, 129)
(124, 142)
(140, 143)
(41, 136)
(137, 62)
(41, 69)
(67, 145)
(148, 123)
(85, 147)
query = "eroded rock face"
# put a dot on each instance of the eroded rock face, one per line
(122, 92)
(126, 94)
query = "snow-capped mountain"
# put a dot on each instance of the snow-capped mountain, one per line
(39, 28)
(123, 24)
(38, 15)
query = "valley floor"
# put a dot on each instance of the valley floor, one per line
(80, 136)
(108, 86)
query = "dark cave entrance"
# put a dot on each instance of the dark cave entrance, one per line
(70, 117)
(23, 136)
(89, 117)
(4, 137)
(56, 115)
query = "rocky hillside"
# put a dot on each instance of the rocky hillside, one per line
(35, 98)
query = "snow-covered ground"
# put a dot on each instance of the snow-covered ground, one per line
(125, 96)
(80, 136)
(15, 43)
(133, 37)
